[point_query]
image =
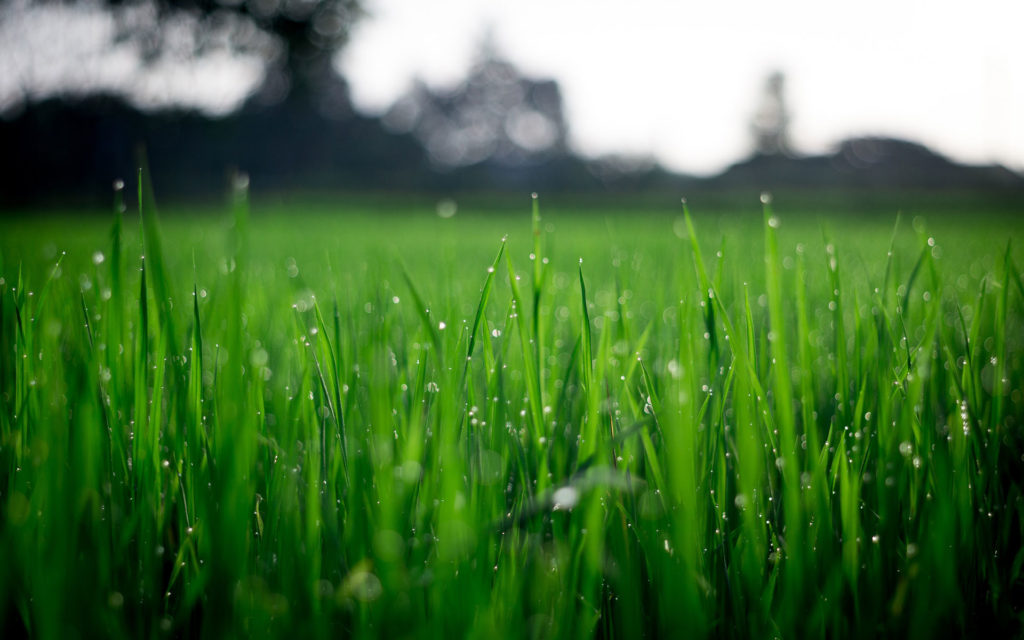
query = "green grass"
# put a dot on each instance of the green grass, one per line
(387, 424)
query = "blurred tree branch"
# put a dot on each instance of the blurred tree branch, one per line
(296, 39)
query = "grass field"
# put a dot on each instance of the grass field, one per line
(298, 423)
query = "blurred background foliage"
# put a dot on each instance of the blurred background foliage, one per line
(94, 87)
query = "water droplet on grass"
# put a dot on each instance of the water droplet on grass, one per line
(565, 498)
(447, 208)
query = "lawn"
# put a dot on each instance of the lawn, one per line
(344, 419)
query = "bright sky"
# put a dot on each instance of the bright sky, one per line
(54, 48)
(680, 80)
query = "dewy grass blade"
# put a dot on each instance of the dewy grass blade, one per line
(698, 259)
(196, 440)
(530, 364)
(589, 433)
(788, 459)
(424, 314)
(152, 243)
(332, 392)
(998, 359)
(481, 306)
(538, 263)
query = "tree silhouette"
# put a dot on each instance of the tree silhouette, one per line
(495, 114)
(296, 40)
(770, 124)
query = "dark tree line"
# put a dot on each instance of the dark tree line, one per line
(496, 130)
(304, 37)
(298, 130)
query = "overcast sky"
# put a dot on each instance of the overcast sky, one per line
(680, 80)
